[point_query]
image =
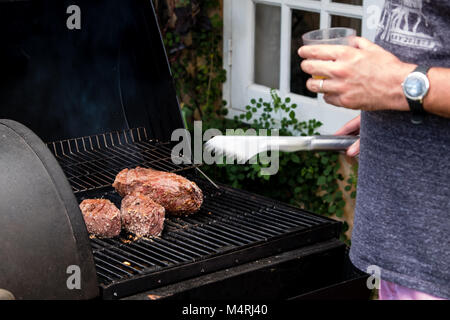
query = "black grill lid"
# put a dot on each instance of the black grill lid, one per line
(110, 75)
(43, 239)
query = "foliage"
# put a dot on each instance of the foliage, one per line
(193, 44)
(352, 182)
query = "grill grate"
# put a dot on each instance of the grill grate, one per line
(93, 162)
(232, 226)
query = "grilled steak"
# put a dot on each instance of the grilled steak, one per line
(176, 194)
(142, 216)
(102, 217)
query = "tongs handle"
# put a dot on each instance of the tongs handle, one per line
(332, 143)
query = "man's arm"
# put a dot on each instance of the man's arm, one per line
(367, 77)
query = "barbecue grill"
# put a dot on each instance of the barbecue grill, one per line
(102, 99)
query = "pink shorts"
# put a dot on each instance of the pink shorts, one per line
(392, 291)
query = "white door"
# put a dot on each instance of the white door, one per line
(261, 38)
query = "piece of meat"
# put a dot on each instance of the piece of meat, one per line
(176, 194)
(142, 216)
(102, 217)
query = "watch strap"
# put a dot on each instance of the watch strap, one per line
(416, 106)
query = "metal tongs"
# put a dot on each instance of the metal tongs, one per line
(243, 148)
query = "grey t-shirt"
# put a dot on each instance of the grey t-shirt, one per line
(402, 217)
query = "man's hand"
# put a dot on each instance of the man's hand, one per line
(351, 128)
(359, 76)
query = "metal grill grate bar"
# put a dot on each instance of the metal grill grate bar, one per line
(188, 244)
(253, 220)
(93, 162)
(241, 222)
(301, 217)
(183, 250)
(240, 229)
(177, 254)
(112, 259)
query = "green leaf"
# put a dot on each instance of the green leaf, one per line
(292, 114)
(295, 158)
(321, 180)
(328, 198)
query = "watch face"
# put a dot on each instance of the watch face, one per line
(415, 86)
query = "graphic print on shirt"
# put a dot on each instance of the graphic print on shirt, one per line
(403, 23)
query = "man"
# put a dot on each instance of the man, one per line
(402, 216)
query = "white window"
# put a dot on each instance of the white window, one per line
(261, 39)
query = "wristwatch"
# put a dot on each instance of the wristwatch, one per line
(415, 88)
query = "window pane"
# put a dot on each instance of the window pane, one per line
(267, 45)
(302, 22)
(340, 21)
(355, 2)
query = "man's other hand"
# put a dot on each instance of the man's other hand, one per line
(351, 128)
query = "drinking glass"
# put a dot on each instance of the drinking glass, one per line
(339, 36)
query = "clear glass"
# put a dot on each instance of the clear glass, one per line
(341, 21)
(333, 36)
(329, 36)
(354, 2)
(302, 22)
(267, 45)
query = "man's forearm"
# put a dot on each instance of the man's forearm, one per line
(437, 100)
(367, 77)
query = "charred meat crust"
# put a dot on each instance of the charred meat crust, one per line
(102, 218)
(142, 216)
(176, 194)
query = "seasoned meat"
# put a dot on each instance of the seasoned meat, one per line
(176, 194)
(142, 216)
(102, 217)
